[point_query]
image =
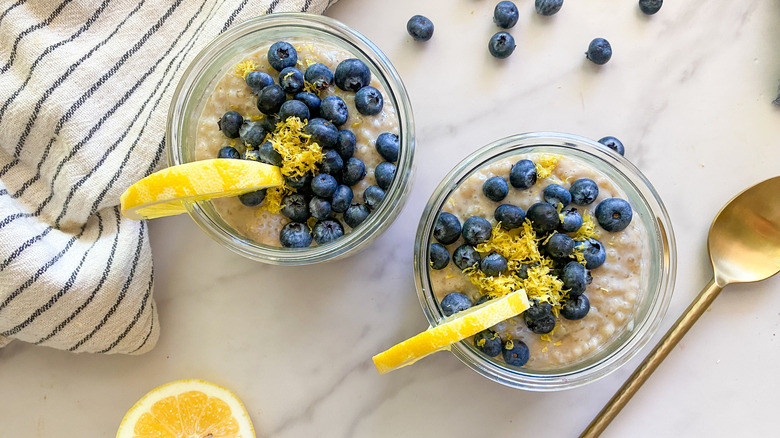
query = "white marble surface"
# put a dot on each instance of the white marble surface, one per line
(687, 90)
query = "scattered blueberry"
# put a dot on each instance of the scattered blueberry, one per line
(388, 144)
(454, 302)
(319, 75)
(271, 99)
(522, 270)
(331, 162)
(613, 214)
(501, 45)
(548, 7)
(599, 51)
(523, 174)
(257, 80)
(281, 55)
(229, 152)
(559, 245)
(493, 265)
(518, 355)
(576, 308)
(355, 214)
(324, 185)
(575, 278)
(510, 216)
(270, 121)
(447, 228)
(294, 108)
(319, 208)
(346, 143)
(539, 318)
(252, 199)
(465, 256)
(373, 196)
(476, 230)
(482, 299)
(291, 80)
(495, 188)
(544, 217)
(334, 110)
(295, 207)
(420, 28)
(298, 182)
(369, 101)
(230, 124)
(505, 15)
(312, 102)
(488, 342)
(252, 133)
(354, 171)
(555, 194)
(322, 132)
(584, 191)
(327, 230)
(295, 235)
(342, 199)
(571, 221)
(267, 154)
(352, 74)
(438, 256)
(384, 173)
(614, 144)
(593, 252)
(650, 7)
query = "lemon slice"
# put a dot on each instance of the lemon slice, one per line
(454, 328)
(166, 193)
(187, 408)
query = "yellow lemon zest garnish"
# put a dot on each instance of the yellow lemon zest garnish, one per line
(545, 165)
(509, 344)
(243, 68)
(274, 197)
(557, 343)
(588, 230)
(300, 155)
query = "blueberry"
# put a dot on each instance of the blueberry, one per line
(465, 256)
(438, 256)
(539, 318)
(331, 162)
(559, 245)
(312, 102)
(342, 199)
(294, 108)
(322, 132)
(447, 228)
(230, 124)
(282, 55)
(650, 7)
(295, 235)
(510, 216)
(252, 133)
(368, 101)
(574, 278)
(388, 144)
(576, 308)
(548, 7)
(270, 121)
(523, 174)
(334, 110)
(229, 152)
(522, 270)
(257, 80)
(476, 230)
(354, 171)
(593, 252)
(319, 75)
(493, 265)
(252, 199)
(373, 196)
(555, 194)
(599, 51)
(384, 174)
(501, 45)
(614, 144)
(571, 221)
(584, 191)
(517, 355)
(319, 208)
(454, 302)
(327, 230)
(614, 214)
(298, 182)
(352, 74)
(295, 207)
(488, 342)
(482, 299)
(544, 217)
(495, 188)
(355, 214)
(346, 143)
(291, 80)
(267, 154)
(324, 185)
(271, 99)
(505, 14)
(420, 28)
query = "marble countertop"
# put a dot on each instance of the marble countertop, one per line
(688, 91)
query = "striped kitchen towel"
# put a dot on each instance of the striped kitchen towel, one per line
(85, 87)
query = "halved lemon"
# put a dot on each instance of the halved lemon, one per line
(185, 409)
(455, 328)
(166, 193)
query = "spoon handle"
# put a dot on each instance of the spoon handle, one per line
(651, 362)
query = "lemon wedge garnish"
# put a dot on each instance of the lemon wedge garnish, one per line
(454, 328)
(167, 192)
(187, 408)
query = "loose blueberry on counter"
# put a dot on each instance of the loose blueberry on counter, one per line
(291, 80)
(342, 199)
(510, 216)
(559, 245)
(650, 7)
(454, 302)
(572, 220)
(476, 230)
(355, 214)
(298, 182)
(447, 228)
(501, 45)
(523, 174)
(584, 191)
(346, 143)
(327, 230)
(354, 171)
(229, 152)
(312, 102)
(614, 214)
(574, 278)
(493, 265)
(319, 75)
(488, 342)
(352, 74)
(548, 7)
(544, 217)
(373, 196)
(614, 144)
(267, 154)
(295, 207)
(369, 101)
(334, 110)
(599, 51)
(388, 144)
(576, 308)
(495, 188)
(324, 185)
(271, 99)
(420, 28)
(465, 256)
(331, 162)
(281, 55)
(438, 256)
(257, 80)
(270, 121)
(555, 194)
(319, 208)
(322, 132)
(294, 108)
(252, 133)
(518, 355)
(593, 251)
(505, 14)
(539, 318)
(230, 124)
(252, 199)
(295, 235)
(384, 173)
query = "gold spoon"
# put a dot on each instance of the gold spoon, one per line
(744, 246)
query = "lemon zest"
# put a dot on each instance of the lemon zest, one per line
(546, 164)
(243, 68)
(300, 155)
(588, 230)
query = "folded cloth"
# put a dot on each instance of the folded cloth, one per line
(84, 93)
